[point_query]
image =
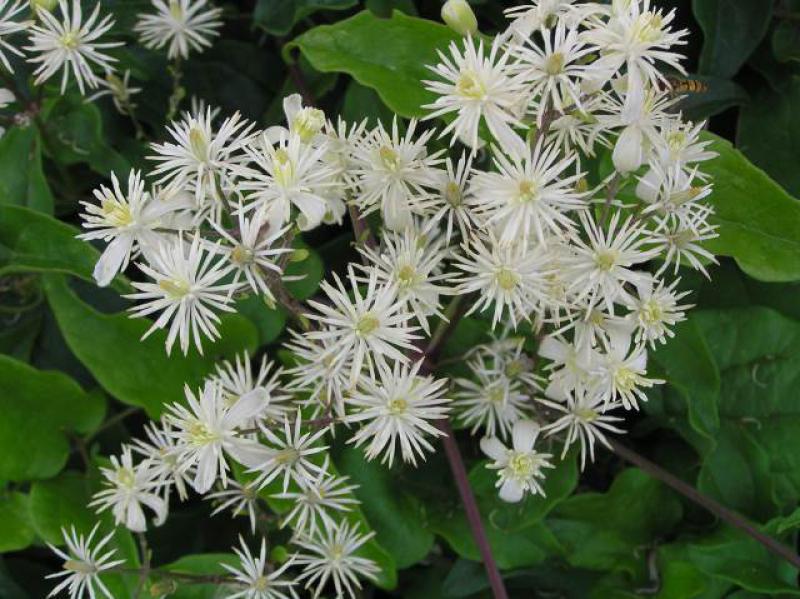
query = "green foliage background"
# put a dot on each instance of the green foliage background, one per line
(727, 422)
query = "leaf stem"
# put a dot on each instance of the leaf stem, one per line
(726, 515)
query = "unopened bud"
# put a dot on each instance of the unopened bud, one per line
(459, 17)
(163, 588)
(298, 255)
(279, 554)
(47, 5)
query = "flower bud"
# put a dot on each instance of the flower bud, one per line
(47, 5)
(629, 150)
(459, 17)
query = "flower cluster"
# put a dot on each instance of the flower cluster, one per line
(573, 268)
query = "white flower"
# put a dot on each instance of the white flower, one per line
(287, 174)
(411, 263)
(129, 222)
(680, 240)
(639, 38)
(585, 420)
(331, 555)
(71, 45)
(493, 403)
(185, 25)
(529, 195)
(476, 86)
(393, 173)
(507, 357)
(187, 288)
(237, 380)
(9, 9)
(571, 365)
(83, 565)
(621, 374)
(321, 372)
(306, 122)
(398, 408)
(520, 468)
(242, 498)
(509, 276)
(640, 114)
(200, 155)
(130, 488)
(254, 577)
(369, 329)
(535, 15)
(451, 203)
(120, 90)
(600, 268)
(205, 430)
(555, 69)
(655, 311)
(252, 251)
(312, 504)
(162, 456)
(289, 455)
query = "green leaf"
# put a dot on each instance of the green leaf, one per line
(755, 467)
(786, 41)
(39, 410)
(16, 530)
(388, 55)
(74, 134)
(515, 531)
(730, 555)
(311, 269)
(769, 134)
(34, 242)
(22, 181)
(206, 563)
(138, 372)
(279, 16)
(602, 531)
(732, 30)
(362, 102)
(759, 223)
(397, 517)
(60, 503)
(688, 366)
(269, 322)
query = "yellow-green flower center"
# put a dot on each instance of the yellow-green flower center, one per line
(116, 213)
(175, 10)
(521, 464)
(126, 477)
(71, 39)
(651, 312)
(625, 379)
(506, 279)
(242, 255)
(198, 143)
(406, 275)
(74, 565)
(554, 64)
(527, 191)
(397, 406)
(367, 324)
(175, 288)
(453, 195)
(648, 28)
(307, 123)
(605, 259)
(389, 158)
(469, 85)
(586, 414)
(200, 434)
